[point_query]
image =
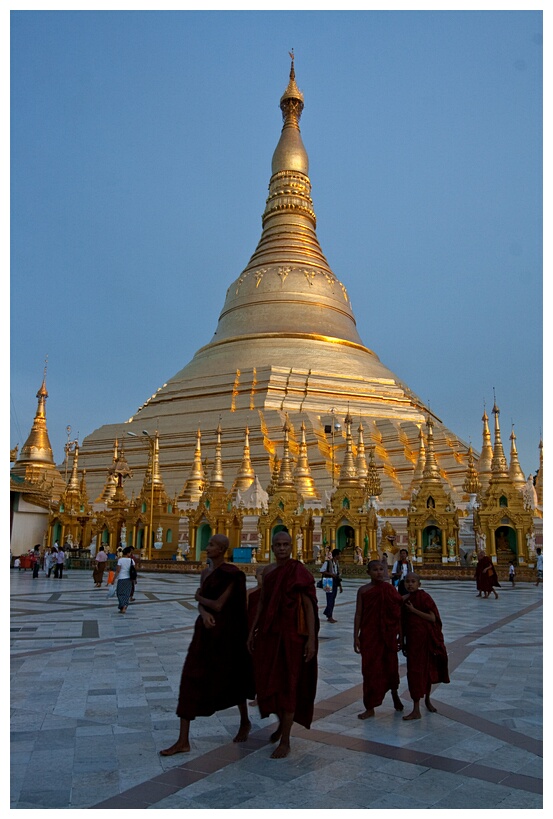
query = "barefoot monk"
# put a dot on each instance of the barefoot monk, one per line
(283, 642)
(217, 672)
(377, 637)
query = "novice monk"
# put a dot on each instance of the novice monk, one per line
(283, 640)
(217, 672)
(377, 637)
(423, 643)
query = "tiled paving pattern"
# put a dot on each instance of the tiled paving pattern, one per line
(93, 698)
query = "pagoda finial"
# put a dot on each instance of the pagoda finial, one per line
(361, 461)
(302, 475)
(431, 469)
(195, 482)
(499, 461)
(348, 472)
(486, 453)
(246, 474)
(216, 476)
(373, 487)
(471, 484)
(515, 470)
(285, 477)
(291, 102)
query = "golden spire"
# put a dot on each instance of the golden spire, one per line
(73, 483)
(37, 449)
(216, 475)
(153, 482)
(83, 492)
(515, 470)
(431, 469)
(471, 485)
(287, 289)
(499, 461)
(285, 477)
(348, 473)
(361, 462)
(486, 454)
(539, 478)
(274, 478)
(302, 474)
(195, 482)
(421, 460)
(111, 483)
(246, 474)
(373, 487)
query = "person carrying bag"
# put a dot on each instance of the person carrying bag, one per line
(331, 582)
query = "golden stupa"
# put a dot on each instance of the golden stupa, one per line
(286, 347)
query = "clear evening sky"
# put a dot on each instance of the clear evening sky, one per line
(141, 145)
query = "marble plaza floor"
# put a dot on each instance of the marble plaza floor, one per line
(93, 696)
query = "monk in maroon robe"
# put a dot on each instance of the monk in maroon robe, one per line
(253, 596)
(423, 645)
(486, 576)
(217, 672)
(377, 637)
(283, 641)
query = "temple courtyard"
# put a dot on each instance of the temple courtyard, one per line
(93, 696)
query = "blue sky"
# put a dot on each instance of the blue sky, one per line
(141, 147)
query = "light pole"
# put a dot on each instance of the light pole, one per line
(151, 444)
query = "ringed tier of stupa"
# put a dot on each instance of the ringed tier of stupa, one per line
(286, 350)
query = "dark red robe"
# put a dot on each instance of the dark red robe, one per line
(285, 683)
(217, 672)
(424, 646)
(379, 634)
(253, 602)
(486, 579)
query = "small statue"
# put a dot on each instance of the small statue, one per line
(451, 546)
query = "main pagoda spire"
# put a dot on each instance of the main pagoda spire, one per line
(287, 288)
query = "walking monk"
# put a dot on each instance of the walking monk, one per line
(283, 641)
(423, 644)
(485, 576)
(217, 672)
(377, 637)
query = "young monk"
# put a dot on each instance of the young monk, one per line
(283, 641)
(423, 645)
(217, 672)
(377, 637)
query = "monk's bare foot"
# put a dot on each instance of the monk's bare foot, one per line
(276, 735)
(413, 715)
(280, 752)
(398, 705)
(253, 702)
(430, 707)
(243, 732)
(177, 748)
(366, 714)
